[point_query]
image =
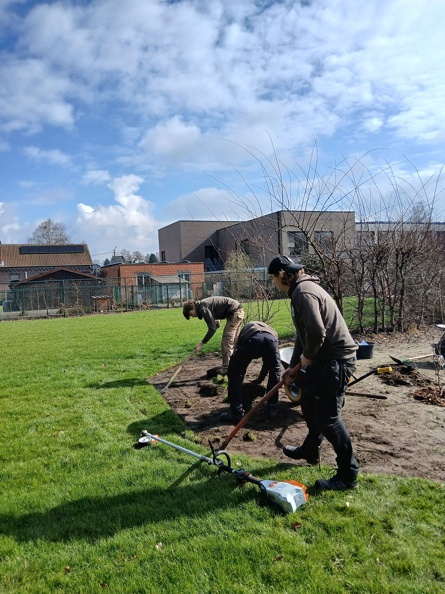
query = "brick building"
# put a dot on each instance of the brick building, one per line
(158, 281)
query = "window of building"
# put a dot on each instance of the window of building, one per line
(184, 275)
(324, 239)
(244, 246)
(14, 277)
(296, 243)
(440, 236)
(210, 253)
(143, 278)
(163, 257)
(364, 237)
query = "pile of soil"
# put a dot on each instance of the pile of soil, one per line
(401, 432)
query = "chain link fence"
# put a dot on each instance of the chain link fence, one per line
(64, 298)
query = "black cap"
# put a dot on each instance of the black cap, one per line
(283, 263)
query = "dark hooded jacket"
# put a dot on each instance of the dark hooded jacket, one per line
(322, 333)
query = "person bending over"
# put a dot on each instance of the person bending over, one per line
(212, 310)
(257, 340)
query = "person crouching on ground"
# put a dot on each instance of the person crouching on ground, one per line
(327, 353)
(212, 310)
(257, 340)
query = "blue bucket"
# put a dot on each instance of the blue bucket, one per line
(365, 350)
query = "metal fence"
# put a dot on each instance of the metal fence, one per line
(77, 298)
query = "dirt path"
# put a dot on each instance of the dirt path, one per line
(399, 435)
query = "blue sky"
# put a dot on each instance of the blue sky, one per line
(119, 117)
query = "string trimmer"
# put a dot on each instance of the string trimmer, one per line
(288, 495)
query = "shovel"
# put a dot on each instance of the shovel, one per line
(178, 369)
(410, 359)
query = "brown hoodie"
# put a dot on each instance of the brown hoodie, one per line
(322, 332)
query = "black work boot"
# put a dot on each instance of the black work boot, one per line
(336, 483)
(298, 453)
(233, 415)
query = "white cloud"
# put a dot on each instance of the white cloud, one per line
(303, 69)
(9, 223)
(96, 176)
(173, 90)
(127, 224)
(211, 60)
(31, 95)
(48, 196)
(52, 157)
(211, 203)
(172, 139)
(373, 124)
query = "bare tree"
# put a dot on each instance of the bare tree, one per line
(305, 199)
(49, 233)
(385, 266)
(241, 281)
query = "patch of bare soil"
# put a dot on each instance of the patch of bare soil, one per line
(400, 432)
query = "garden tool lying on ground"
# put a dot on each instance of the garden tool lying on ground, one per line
(410, 359)
(354, 380)
(437, 358)
(288, 495)
(178, 369)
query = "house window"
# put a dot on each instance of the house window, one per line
(244, 246)
(184, 275)
(440, 237)
(364, 237)
(325, 240)
(296, 243)
(14, 277)
(163, 257)
(143, 278)
(210, 253)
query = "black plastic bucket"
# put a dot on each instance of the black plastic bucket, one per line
(365, 350)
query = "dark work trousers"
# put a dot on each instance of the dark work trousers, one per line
(260, 345)
(321, 403)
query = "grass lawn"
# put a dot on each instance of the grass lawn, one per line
(82, 511)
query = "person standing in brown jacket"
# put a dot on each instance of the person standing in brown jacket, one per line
(327, 353)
